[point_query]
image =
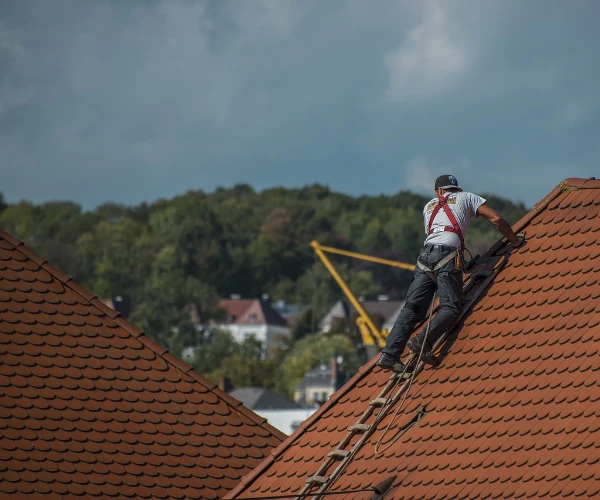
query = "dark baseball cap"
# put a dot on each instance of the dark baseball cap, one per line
(447, 182)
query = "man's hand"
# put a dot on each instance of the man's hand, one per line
(521, 238)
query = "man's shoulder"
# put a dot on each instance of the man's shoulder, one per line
(430, 205)
(466, 195)
(470, 202)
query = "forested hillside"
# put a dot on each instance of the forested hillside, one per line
(198, 247)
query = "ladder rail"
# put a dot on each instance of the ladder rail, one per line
(358, 445)
(347, 438)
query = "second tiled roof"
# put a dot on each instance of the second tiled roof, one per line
(91, 407)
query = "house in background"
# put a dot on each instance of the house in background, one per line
(289, 312)
(247, 317)
(320, 383)
(389, 322)
(119, 304)
(381, 311)
(280, 412)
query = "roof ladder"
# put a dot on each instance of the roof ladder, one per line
(379, 402)
(343, 456)
(338, 453)
(317, 479)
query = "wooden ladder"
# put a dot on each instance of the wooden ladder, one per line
(342, 455)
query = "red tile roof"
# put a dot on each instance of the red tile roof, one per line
(251, 311)
(514, 408)
(90, 407)
(235, 307)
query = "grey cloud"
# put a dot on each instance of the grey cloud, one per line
(134, 100)
(431, 58)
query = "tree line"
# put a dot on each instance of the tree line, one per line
(171, 255)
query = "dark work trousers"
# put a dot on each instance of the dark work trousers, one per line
(420, 294)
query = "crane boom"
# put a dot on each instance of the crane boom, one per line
(373, 338)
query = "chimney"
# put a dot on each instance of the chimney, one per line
(225, 384)
(334, 372)
(337, 372)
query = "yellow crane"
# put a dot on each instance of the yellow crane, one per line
(372, 337)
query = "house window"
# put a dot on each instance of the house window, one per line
(295, 425)
(252, 318)
(324, 397)
(231, 318)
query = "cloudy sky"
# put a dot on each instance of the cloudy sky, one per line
(133, 100)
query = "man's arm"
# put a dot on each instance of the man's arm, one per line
(502, 226)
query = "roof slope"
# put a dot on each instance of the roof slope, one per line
(89, 406)
(512, 411)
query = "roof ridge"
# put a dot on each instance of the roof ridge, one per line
(159, 350)
(581, 183)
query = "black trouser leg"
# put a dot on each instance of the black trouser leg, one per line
(450, 291)
(418, 299)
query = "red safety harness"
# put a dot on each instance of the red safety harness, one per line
(443, 203)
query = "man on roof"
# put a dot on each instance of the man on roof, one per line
(439, 268)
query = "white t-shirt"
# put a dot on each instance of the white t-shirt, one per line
(464, 207)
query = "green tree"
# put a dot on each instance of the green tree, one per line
(23, 221)
(50, 229)
(3, 203)
(303, 325)
(247, 367)
(169, 294)
(117, 257)
(189, 225)
(211, 347)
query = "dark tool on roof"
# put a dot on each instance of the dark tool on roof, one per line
(383, 487)
(379, 490)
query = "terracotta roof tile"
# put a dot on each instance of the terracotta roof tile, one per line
(512, 409)
(90, 407)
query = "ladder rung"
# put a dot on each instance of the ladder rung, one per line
(359, 428)
(379, 402)
(338, 453)
(317, 479)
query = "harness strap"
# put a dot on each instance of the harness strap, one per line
(432, 272)
(443, 203)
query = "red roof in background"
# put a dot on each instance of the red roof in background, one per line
(243, 309)
(235, 307)
(512, 411)
(90, 407)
